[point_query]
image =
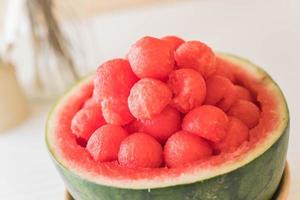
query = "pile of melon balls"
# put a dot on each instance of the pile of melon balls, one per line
(169, 103)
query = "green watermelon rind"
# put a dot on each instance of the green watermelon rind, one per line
(254, 177)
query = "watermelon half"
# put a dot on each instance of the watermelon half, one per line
(253, 172)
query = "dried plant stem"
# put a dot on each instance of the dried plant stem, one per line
(42, 18)
(36, 46)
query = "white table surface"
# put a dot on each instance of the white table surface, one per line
(267, 32)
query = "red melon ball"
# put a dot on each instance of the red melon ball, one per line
(173, 41)
(189, 88)
(90, 102)
(207, 121)
(140, 150)
(237, 133)
(116, 111)
(150, 57)
(105, 142)
(243, 93)
(224, 68)
(148, 97)
(161, 126)
(246, 111)
(184, 148)
(113, 79)
(196, 55)
(86, 121)
(220, 92)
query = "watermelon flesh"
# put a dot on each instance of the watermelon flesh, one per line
(148, 97)
(140, 150)
(183, 148)
(196, 55)
(227, 138)
(147, 54)
(105, 142)
(189, 89)
(173, 41)
(161, 127)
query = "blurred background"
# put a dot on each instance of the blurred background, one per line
(46, 45)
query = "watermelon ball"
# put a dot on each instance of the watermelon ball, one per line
(196, 55)
(140, 150)
(243, 93)
(220, 92)
(207, 121)
(86, 121)
(224, 68)
(116, 111)
(161, 126)
(246, 111)
(237, 133)
(189, 88)
(173, 41)
(105, 142)
(184, 148)
(90, 103)
(113, 79)
(148, 97)
(152, 58)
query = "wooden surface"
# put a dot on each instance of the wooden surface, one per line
(285, 184)
(68, 196)
(282, 193)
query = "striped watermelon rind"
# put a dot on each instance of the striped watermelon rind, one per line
(255, 176)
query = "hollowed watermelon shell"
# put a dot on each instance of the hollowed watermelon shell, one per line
(251, 173)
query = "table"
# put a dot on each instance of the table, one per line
(266, 32)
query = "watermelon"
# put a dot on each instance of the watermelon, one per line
(251, 171)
